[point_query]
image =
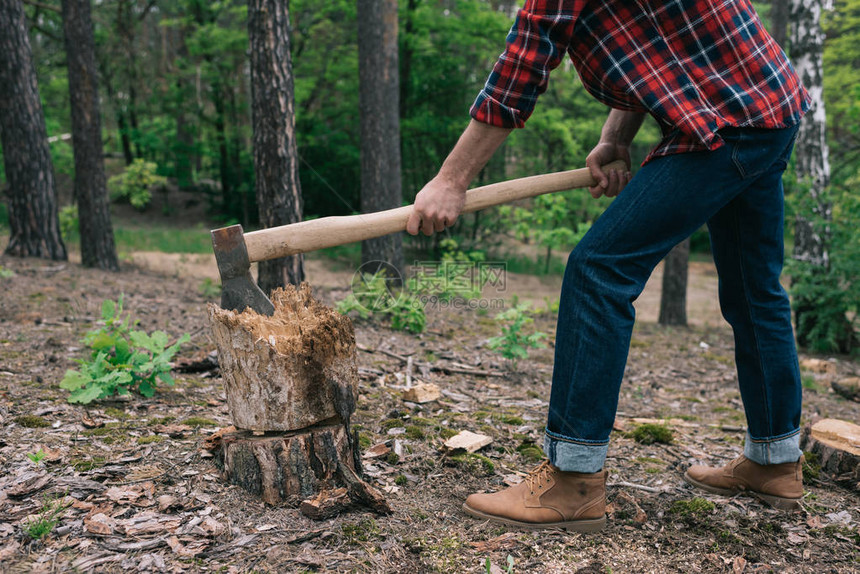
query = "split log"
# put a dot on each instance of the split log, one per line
(289, 371)
(291, 382)
(836, 443)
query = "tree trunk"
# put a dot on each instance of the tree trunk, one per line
(35, 226)
(673, 299)
(291, 382)
(812, 230)
(97, 242)
(379, 118)
(779, 14)
(276, 166)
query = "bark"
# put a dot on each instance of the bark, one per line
(35, 227)
(292, 378)
(379, 118)
(318, 464)
(97, 242)
(779, 14)
(812, 230)
(673, 298)
(276, 166)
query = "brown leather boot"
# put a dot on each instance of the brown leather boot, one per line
(547, 498)
(780, 485)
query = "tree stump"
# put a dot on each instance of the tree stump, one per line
(291, 382)
(836, 443)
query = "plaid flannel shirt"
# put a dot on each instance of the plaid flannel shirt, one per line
(695, 65)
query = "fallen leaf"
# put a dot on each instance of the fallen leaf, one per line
(89, 423)
(739, 565)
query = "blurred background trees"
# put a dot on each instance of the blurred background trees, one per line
(175, 84)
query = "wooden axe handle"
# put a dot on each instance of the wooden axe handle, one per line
(331, 231)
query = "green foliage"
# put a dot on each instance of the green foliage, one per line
(135, 183)
(649, 433)
(828, 297)
(209, 289)
(123, 359)
(509, 570)
(6, 273)
(69, 223)
(692, 508)
(37, 457)
(514, 344)
(43, 523)
(32, 421)
(811, 467)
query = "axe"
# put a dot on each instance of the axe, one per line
(235, 250)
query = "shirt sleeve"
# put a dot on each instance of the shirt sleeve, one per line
(536, 44)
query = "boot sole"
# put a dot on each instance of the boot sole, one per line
(585, 525)
(777, 502)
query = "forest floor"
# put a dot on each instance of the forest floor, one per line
(138, 493)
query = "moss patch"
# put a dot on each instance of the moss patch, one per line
(32, 421)
(650, 433)
(692, 508)
(150, 439)
(474, 463)
(199, 422)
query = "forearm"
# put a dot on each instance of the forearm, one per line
(621, 127)
(473, 150)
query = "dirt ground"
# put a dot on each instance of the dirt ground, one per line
(162, 506)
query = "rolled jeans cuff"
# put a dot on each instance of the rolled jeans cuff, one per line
(574, 455)
(773, 450)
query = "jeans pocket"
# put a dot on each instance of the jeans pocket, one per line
(757, 150)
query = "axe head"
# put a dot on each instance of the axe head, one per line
(238, 289)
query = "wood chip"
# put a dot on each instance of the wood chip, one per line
(378, 450)
(468, 441)
(422, 393)
(848, 387)
(818, 366)
(506, 541)
(100, 523)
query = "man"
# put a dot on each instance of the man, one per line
(728, 103)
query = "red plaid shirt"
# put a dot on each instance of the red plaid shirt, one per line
(695, 65)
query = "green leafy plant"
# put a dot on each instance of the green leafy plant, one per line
(514, 344)
(6, 273)
(69, 223)
(209, 289)
(135, 183)
(509, 570)
(123, 359)
(43, 523)
(37, 457)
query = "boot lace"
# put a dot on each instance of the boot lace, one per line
(539, 476)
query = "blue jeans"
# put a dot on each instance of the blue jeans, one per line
(737, 191)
